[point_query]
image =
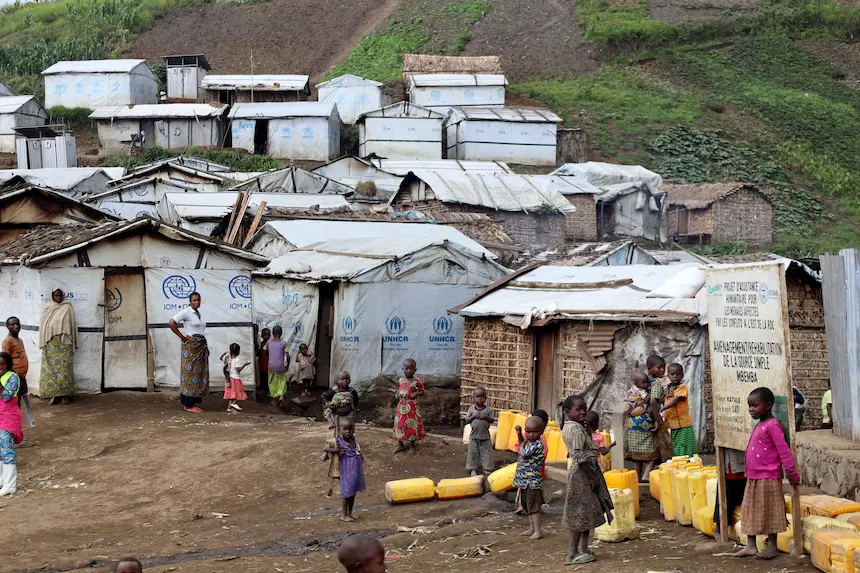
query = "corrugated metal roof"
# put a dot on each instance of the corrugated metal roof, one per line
(162, 110)
(577, 293)
(402, 167)
(455, 80)
(60, 178)
(205, 205)
(348, 81)
(309, 232)
(277, 110)
(93, 67)
(11, 104)
(404, 109)
(500, 191)
(513, 114)
(261, 82)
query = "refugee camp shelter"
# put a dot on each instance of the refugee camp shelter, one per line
(175, 171)
(24, 205)
(513, 134)
(138, 197)
(353, 95)
(18, 111)
(75, 182)
(365, 303)
(185, 74)
(430, 64)
(532, 211)
(441, 92)
(552, 331)
(97, 83)
(292, 180)
(169, 126)
(401, 131)
(125, 281)
(230, 89)
(6, 91)
(303, 130)
(202, 212)
(719, 212)
(354, 171)
(45, 146)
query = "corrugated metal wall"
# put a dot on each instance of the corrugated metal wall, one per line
(841, 280)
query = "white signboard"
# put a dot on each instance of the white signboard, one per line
(749, 344)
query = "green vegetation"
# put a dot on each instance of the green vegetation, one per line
(74, 116)
(621, 23)
(731, 248)
(379, 56)
(236, 161)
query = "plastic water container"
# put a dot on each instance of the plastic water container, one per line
(703, 520)
(826, 505)
(667, 504)
(623, 525)
(624, 479)
(711, 491)
(654, 484)
(815, 523)
(506, 424)
(845, 516)
(681, 499)
(409, 490)
(822, 544)
(842, 555)
(606, 460)
(467, 431)
(519, 420)
(493, 433)
(562, 450)
(784, 540)
(502, 479)
(460, 488)
(553, 438)
(698, 492)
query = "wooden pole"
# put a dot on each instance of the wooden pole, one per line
(721, 495)
(254, 224)
(796, 522)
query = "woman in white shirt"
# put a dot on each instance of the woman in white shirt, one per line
(194, 373)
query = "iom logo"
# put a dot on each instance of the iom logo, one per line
(113, 299)
(289, 298)
(395, 325)
(178, 286)
(349, 325)
(140, 190)
(143, 214)
(442, 325)
(240, 287)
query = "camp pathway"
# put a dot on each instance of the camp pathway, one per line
(129, 474)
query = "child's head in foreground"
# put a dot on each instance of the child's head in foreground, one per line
(362, 554)
(128, 565)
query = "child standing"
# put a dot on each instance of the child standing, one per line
(408, 425)
(767, 455)
(592, 421)
(587, 503)
(676, 413)
(351, 467)
(640, 445)
(279, 361)
(307, 368)
(736, 481)
(480, 417)
(527, 479)
(263, 361)
(235, 390)
(339, 402)
(656, 371)
(544, 418)
(10, 426)
(362, 554)
(14, 346)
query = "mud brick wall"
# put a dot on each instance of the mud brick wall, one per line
(582, 225)
(743, 216)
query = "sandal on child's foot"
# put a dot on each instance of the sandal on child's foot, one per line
(346, 518)
(581, 559)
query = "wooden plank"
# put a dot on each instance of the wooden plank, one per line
(496, 285)
(253, 228)
(721, 496)
(233, 215)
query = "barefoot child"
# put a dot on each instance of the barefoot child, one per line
(362, 554)
(592, 420)
(587, 503)
(656, 367)
(339, 402)
(640, 445)
(279, 360)
(235, 390)
(307, 370)
(14, 346)
(767, 455)
(676, 413)
(544, 418)
(480, 417)
(351, 467)
(408, 425)
(527, 479)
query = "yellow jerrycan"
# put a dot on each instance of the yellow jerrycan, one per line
(503, 432)
(502, 479)
(624, 479)
(409, 490)
(460, 488)
(623, 525)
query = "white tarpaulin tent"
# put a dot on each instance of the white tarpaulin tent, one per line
(277, 238)
(441, 92)
(389, 300)
(138, 275)
(139, 197)
(401, 131)
(353, 96)
(95, 83)
(603, 174)
(292, 180)
(18, 111)
(75, 182)
(291, 130)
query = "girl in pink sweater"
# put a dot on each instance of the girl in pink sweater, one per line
(763, 510)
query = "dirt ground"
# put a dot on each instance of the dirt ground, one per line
(131, 474)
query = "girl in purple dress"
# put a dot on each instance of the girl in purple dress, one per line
(351, 466)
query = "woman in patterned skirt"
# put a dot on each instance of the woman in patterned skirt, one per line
(194, 373)
(408, 425)
(58, 339)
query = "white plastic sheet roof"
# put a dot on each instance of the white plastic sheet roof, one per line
(348, 81)
(258, 82)
(93, 67)
(59, 178)
(206, 205)
(11, 104)
(292, 180)
(569, 184)
(500, 191)
(456, 80)
(603, 174)
(277, 110)
(304, 233)
(592, 301)
(155, 111)
(404, 109)
(402, 167)
(513, 114)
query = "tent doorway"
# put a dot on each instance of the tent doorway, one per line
(126, 348)
(546, 393)
(261, 136)
(325, 333)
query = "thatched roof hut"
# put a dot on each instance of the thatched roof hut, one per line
(425, 64)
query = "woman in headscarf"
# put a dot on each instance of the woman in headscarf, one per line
(194, 373)
(640, 445)
(58, 339)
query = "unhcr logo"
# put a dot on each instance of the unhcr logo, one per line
(349, 325)
(395, 326)
(442, 327)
